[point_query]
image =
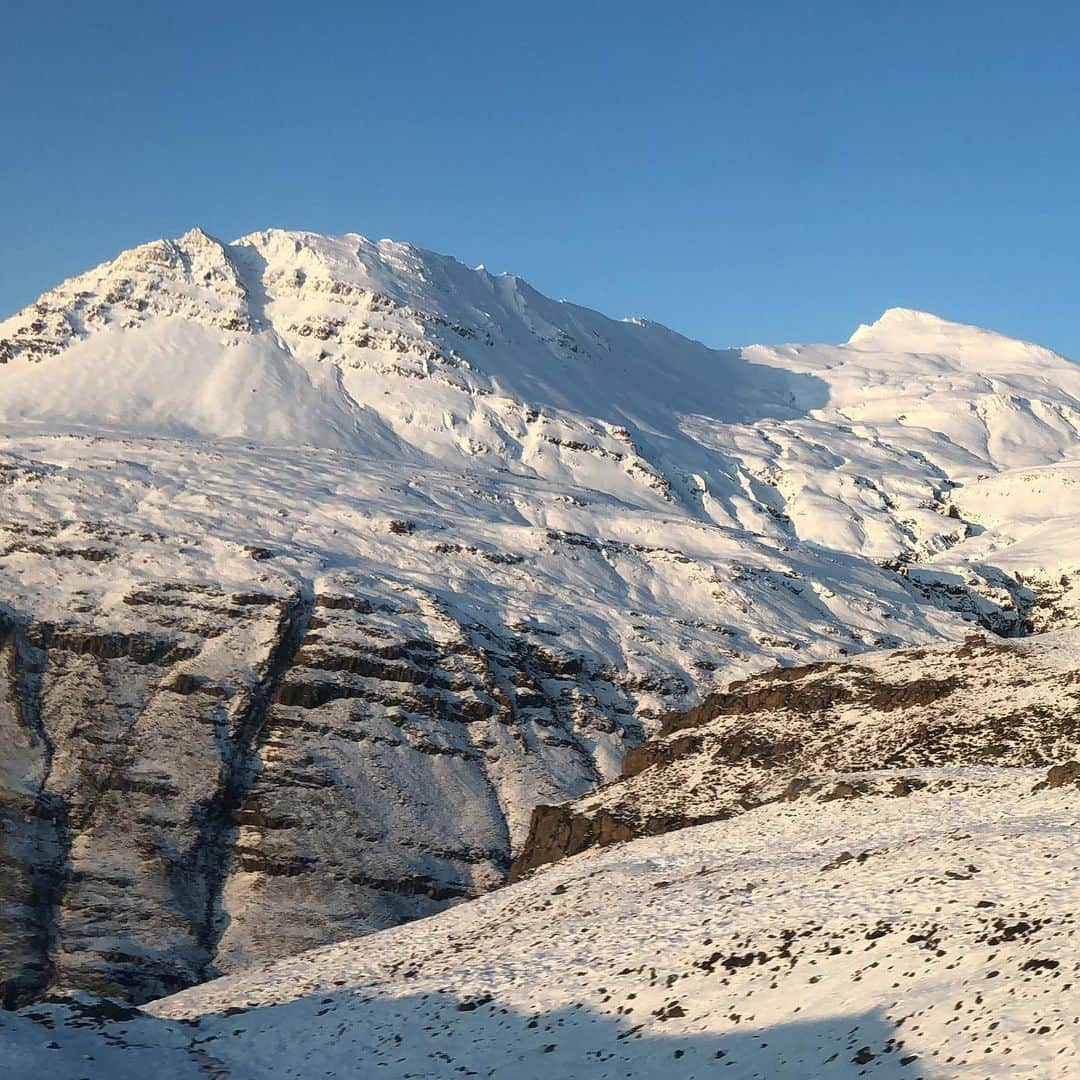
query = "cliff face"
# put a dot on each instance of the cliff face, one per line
(132, 759)
(819, 731)
(258, 775)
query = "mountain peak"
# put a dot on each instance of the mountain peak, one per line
(195, 237)
(906, 330)
(898, 322)
(457, 547)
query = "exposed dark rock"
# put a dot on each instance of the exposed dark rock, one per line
(181, 791)
(141, 648)
(779, 736)
(556, 832)
(1064, 775)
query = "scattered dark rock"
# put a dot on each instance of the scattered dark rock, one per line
(1059, 776)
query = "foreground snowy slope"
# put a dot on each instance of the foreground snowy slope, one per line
(932, 935)
(324, 561)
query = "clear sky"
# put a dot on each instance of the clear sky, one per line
(751, 171)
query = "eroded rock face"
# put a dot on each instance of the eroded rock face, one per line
(808, 732)
(1067, 774)
(133, 755)
(260, 774)
(260, 700)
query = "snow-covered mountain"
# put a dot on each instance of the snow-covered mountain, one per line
(323, 562)
(380, 349)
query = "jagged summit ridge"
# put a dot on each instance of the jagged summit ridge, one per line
(345, 342)
(330, 326)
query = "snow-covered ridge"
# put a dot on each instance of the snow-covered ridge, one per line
(382, 348)
(328, 328)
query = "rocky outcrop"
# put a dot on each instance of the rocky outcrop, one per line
(242, 775)
(1067, 774)
(131, 760)
(557, 832)
(252, 774)
(809, 732)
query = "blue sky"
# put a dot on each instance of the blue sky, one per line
(741, 171)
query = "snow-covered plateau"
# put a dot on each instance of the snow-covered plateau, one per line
(338, 580)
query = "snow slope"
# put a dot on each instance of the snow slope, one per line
(384, 349)
(389, 352)
(930, 936)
